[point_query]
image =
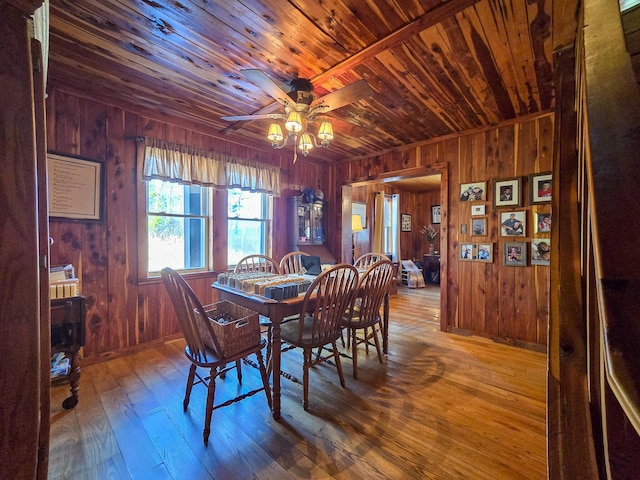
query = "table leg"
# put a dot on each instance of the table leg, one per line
(385, 324)
(276, 351)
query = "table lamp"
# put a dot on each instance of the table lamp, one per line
(356, 226)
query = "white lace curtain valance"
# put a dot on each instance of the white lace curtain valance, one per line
(188, 165)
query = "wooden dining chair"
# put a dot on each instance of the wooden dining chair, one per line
(257, 263)
(203, 348)
(365, 261)
(320, 320)
(292, 262)
(364, 313)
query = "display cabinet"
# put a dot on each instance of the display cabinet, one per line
(307, 222)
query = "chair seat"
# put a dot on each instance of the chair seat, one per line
(213, 358)
(289, 333)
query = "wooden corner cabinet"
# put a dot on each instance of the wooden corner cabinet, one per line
(67, 337)
(307, 221)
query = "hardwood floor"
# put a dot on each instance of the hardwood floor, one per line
(442, 406)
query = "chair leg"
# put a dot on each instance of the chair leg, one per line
(211, 390)
(377, 342)
(354, 352)
(366, 340)
(305, 377)
(265, 378)
(336, 356)
(187, 393)
(239, 370)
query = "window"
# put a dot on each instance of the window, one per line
(248, 224)
(177, 226)
(391, 225)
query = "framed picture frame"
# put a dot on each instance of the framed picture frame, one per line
(543, 222)
(477, 210)
(436, 214)
(514, 254)
(466, 251)
(405, 222)
(358, 208)
(513, 223)
(483, 252)
(472, 192)
(540, 188)
(463, 229)
(76, 187)
(478, 227)
(540, 251)
(507, 192)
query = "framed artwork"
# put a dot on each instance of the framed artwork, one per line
(514, 254)
(471, 192)
(513, 223)
(358, 208)
(75, 188)
(477, 210)
(466, 251)
(543, 222)
(479, 226)
(540, 188)
(507, 192)
(436, 214)
(483, 252)
(463, 229)
(540, 251)
(405, 224)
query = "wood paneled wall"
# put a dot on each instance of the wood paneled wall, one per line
(502, 302)
(124, 310)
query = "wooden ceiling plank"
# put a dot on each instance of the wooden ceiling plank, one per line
(455, 49)
(473, 32)
(492, 19)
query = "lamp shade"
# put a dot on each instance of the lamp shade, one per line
(275, 133)
(356, 223)
(294, 122)
(326, 131)
(305, 142)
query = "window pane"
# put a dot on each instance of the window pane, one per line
(245, 238)
(176, 226)
(245, 204)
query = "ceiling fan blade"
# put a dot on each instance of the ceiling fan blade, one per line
(239, 118)
(260, 79)
(343, 96)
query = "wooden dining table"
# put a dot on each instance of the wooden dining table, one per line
(276, 311)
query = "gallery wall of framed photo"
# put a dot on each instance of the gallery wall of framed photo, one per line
(515, 210)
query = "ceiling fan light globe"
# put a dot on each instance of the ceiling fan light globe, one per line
(294, 122)
(305, 143)
(275, 133)
(325, 133)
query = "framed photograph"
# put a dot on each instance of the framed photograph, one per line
(471, 192)
(513, 223)
(543, 222)
(478, 226)
(75, 188)
(514, 254)
(483, 252)
(463, 229)
(540, 251)
(358, 208)
(466, 251)
(405, 222)
(436, 214)
(507, 192)
(477, 210)
(540, 188)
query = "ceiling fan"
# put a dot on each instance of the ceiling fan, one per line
(301, 107)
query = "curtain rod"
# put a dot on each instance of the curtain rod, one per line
(134, 137)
